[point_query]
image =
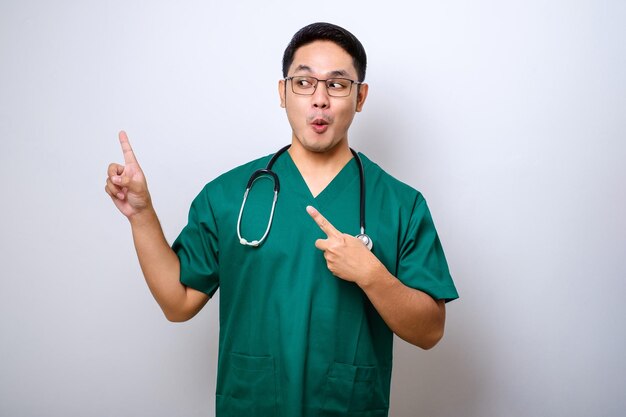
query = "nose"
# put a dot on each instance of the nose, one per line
(320, 96)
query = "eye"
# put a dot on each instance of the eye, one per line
(338, 84)
(303, 82)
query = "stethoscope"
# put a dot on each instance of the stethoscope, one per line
(267, 171)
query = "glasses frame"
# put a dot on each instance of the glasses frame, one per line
(317, 81)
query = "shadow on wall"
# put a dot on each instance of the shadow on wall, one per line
(383, 132)
(445, 381)
(442, 382)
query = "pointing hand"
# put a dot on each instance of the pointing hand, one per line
(346, 256)
(126, 183)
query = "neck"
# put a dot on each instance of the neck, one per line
(319, 168)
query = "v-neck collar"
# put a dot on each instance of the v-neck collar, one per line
(344, 178)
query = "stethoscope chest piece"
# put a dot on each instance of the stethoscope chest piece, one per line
(367, 241)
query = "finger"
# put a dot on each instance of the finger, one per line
(127, 183)
(129, 155)
(115, 169)
(108, 191)
(113, 189)
(117, 177)
(110, 185)
(321, 244)
(321, 221)
(114, 192)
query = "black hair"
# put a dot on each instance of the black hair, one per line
(327, 32)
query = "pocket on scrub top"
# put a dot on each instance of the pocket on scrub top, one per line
(249, 387)
(353, 389)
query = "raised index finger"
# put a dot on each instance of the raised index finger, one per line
(129, 155)
(321, 221)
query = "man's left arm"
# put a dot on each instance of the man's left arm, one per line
(411, 314)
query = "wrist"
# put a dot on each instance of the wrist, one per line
(375, 275)
(143, 217)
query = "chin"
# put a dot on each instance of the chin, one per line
(318, 145)
(317, 148)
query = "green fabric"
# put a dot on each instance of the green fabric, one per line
(294, 339)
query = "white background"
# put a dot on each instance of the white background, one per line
(507, 115)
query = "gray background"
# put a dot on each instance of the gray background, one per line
(508, 116)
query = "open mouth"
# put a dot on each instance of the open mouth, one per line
(319, 125)
(319, 122)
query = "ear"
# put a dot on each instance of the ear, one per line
(281, 92)
(361, 96)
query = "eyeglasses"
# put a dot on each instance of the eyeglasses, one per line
(336, 87)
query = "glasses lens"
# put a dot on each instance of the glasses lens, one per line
(303, 85)
(338, 87)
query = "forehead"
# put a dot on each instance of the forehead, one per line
(321, 58)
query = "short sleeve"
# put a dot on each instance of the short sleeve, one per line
(197, 247)
(422, 264)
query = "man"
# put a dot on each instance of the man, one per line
(307, 311)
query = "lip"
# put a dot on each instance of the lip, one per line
(319, 128)
(319, 125)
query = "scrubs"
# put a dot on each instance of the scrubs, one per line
(294, 339)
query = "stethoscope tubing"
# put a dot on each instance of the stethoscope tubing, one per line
(267, 171)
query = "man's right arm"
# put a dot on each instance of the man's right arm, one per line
(127, 187)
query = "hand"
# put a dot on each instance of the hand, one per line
(346, 256)
(126, 183)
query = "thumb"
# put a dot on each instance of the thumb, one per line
(128, 182)
(321, 244)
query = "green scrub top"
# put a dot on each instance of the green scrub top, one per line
(294, 339)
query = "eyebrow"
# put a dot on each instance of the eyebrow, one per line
(335, 73)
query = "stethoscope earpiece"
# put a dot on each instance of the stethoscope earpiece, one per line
(254, 243)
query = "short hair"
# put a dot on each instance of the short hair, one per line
(327, 32)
